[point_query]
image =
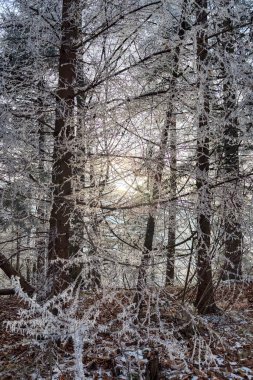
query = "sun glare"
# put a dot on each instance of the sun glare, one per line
(130, 185)
(122, 186)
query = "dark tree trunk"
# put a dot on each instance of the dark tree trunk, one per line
(94, 277)
(40, 275)
(59, 239)
(10, 271)
(153, 366)
(171, 120)
(170, 270)
(150, 227)
(7, 292)
(205, 291)
(18, 250)
(232, 202)
(28, 270)
(145, 260)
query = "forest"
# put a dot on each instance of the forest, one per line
(126, 178)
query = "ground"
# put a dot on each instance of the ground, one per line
(169, 341)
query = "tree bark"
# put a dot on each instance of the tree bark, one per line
(7, 292)
(205, 291)
(170, 269)
(153, 366)
(10, 271)
(18, 250)
(40, 274)
(59, 239)
(171, 120)
(150, 227)
(232, 204)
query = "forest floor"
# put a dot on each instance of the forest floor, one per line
(171, 342)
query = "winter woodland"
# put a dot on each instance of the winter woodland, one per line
(126, 189)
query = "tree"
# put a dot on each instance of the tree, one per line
(168, 131)
(232, 197)
(24, 66)
(62, 208)
(171, 120)
(88, 102)
(205, 290)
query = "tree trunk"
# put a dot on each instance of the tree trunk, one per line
(10, 271)
(18, 251)
(150, 227)
(170, 268)
(171, 119)
(205, 291)
(62, 208)
(153, 366)
(28, 270)
(7, 292)
(232, 203)
(40, 275)
(94, 277)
